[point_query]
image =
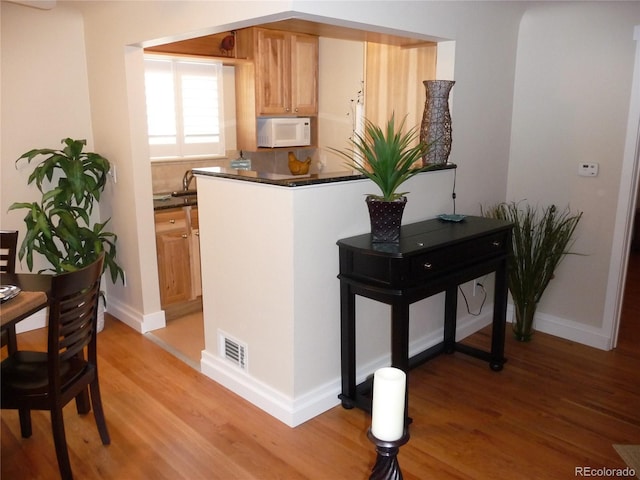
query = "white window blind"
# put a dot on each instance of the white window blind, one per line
(184, 107)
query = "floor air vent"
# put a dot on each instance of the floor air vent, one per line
(233, 351)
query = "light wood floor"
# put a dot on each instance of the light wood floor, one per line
(183, 337)
(556, 406)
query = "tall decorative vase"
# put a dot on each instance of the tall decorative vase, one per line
(436, 121)
(522, 325)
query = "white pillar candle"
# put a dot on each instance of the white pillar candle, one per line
(387, 413)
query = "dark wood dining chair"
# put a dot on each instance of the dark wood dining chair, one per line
(8, 250)
(49, 380)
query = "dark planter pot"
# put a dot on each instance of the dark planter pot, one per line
(386, 219)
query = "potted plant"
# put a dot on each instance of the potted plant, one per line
(540, 241)
(386, 157)
(59, 226)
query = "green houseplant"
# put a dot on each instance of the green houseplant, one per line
(59, 226)
(541, 239)
(386, 156)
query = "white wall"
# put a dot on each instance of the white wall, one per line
(247, 290)
(573, 83)
(487, 44)
(341, 77)
(45, 98)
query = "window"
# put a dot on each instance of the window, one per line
(184, 107)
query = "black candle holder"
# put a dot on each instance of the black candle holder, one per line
(387, 466)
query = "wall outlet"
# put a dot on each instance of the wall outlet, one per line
(112, 172)
(478, 286)
(588, 169)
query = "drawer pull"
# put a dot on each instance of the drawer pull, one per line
(428, 266)
(172, 221)
(496, 243)
(184, 235)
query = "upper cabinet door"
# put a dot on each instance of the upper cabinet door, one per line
(304, 74)
(286, 73)
(273, 78)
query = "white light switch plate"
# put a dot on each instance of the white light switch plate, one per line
(588, 169)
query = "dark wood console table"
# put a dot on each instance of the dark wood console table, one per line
(432, 256)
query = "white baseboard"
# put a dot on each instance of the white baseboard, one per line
(284, 408)
(295, 411)
(140, 323)
(33, 322)
(569, 330)
(137, 321)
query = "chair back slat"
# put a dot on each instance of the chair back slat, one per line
(8, 249)
(73, 312)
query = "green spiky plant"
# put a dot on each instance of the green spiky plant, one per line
(59, 226)
(386, 156)
(541, 239)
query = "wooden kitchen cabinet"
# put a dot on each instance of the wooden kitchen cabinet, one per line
(178, 259)
(281, 79)
(286, 73)
(196, 278)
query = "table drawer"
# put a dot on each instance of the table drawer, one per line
(441, 261)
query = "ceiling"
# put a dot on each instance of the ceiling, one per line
(344, 33)
(208, 44)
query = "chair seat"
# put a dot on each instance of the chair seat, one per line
(26, 373)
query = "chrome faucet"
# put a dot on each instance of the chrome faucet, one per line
(186, 180)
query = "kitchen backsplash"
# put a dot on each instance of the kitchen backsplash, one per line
(167, 176)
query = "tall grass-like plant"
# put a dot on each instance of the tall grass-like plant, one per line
(386, 156)
(59, 225)
(541, 239)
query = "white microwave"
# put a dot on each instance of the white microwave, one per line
(284, 132)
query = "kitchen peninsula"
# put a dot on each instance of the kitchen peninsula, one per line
(271, 296)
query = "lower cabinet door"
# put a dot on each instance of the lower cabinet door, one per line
(196, 279)
(174, 267)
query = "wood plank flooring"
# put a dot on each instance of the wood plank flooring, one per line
(183, 337)
(556, 406)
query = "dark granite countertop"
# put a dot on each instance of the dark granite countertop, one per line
(283, 180)
(164, 201)
(287, 180)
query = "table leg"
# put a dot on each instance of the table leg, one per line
(12, 340)
(400, 336)
(450, 314)
(499, 317)
(348, 345)
(400, 346)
